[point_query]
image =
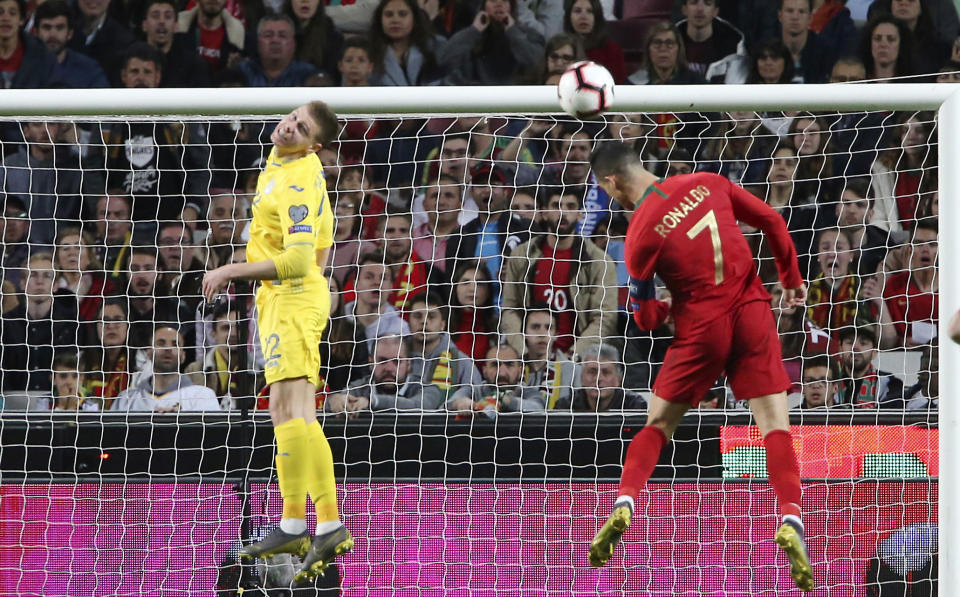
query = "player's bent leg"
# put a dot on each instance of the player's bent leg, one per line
(293, 468)
(772, 416)
(642, 456)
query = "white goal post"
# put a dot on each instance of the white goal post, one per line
(189, 103)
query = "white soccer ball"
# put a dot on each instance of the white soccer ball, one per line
(585, 89)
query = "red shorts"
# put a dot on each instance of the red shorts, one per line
(743, 343)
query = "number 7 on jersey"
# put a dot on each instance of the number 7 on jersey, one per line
(710, 221)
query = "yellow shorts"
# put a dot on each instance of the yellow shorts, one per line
(290, 327)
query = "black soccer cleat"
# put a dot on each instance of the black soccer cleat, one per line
(277, 542)
(607, 538)
(323, 549)
(790, 538)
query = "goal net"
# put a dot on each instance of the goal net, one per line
(478, 292)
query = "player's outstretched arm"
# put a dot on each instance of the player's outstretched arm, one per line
(758, 214)
(293, 262)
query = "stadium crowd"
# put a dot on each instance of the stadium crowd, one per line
(477, 265)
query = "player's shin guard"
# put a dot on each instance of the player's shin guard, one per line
(293, 460)
(783, 471)
(322, 484)
(642, 457)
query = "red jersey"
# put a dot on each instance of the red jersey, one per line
(551, 286)
(908, 304)
(685, 231)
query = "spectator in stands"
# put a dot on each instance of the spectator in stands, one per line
(561, 51)
(544, 368)
(112, 232)
(908, 163)
(184, 68)
(66, 385)
(910, 297)
(391, 386)
(106, 366)
(833, 299)
(101, 37)
(437, 361)
(166, 390)
(344, 357)
(816, 171)
(372, 310)
(157, 164)
(221, 363)
(931, 50)
(571, 167)
(925, 394)
(737, 149)
(812, 58)
(886, 49)
(24, 61)
(821, 384)
(147, 306)
(855, 136)
(473, 316)
(601, 383)
(79, 272)
(864, 385)
(584, 18)
(14, 249)
(53, 20)
(575, 278)
(220, 35)
(832, 21)
(274, 65)
(771, 64)
(494, 50)
(800, 338)
(182, 270)
(49, 182)
(355, 64)
(451, 157)
(403, 49)
(347, 244)
(848, 69)
(502, 388)
(665, 59)
(227, 216)
(711, 43)
(787, 197)
(30, 332)
(318, 41)
(949, 73)
(407, 269)
(854, 214)
(431, 240)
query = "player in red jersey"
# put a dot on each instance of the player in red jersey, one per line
(684, 229)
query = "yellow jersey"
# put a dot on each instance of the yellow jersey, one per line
(291, 206)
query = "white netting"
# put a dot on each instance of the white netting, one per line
(457, 233)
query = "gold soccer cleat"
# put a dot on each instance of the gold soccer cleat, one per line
(323, 550)
(607, 538)
(790, 538)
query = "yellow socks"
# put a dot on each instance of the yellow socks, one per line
(322, 484)
(293, 466)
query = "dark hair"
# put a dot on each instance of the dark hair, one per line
(326, 119)
(904, 65)
(431, 301)
(160, 325)
(116, 301)
(538, 307)
(311, 38)
(150, 3)
(852, 332)
(596, 37)
(486, 314)
(613, 159)
(929, 224)
(359, 43)
(52, 9)
(809, 5)
(421, 36)
(65, 359)
(145, 52)
(375, 257)
(272, 17)
(22, 7)
(144, 250)
(776, 48)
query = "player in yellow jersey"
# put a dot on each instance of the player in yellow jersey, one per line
(290, 239)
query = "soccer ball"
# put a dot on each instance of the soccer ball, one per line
(585, 89)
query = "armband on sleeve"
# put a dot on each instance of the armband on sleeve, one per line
(294, 261)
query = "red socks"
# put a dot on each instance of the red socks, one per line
(642, 457)
(783, 471)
